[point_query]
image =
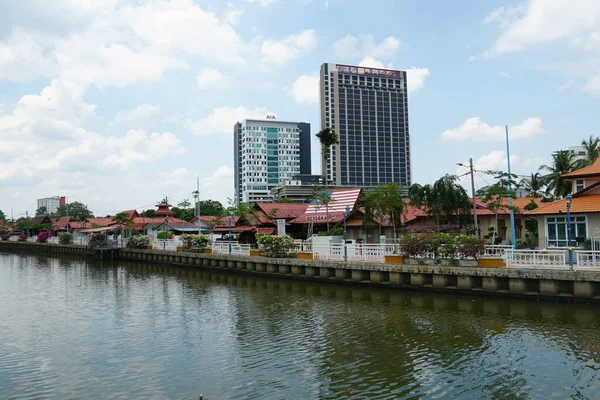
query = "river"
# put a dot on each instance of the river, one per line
(76, 329)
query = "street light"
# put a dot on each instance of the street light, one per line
(230, 219)
(345, 242)
(569, 200)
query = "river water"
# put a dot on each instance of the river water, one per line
(73, 329)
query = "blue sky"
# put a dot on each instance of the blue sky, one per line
(117, 103)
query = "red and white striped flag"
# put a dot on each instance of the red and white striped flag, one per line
(340, 199)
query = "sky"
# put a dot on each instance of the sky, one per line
(119, 103)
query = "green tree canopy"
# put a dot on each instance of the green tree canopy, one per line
(41, 211)
(563, 162)
(323, 198)
(2, 216)
(592, 150)
(383, 203)
(150, 213)
(327, 138)
(445, 198)
(534, 185)
(211, 207)
(75, 208)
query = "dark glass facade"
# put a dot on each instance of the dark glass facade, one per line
(368, 110)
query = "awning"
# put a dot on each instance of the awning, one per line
(102, 229)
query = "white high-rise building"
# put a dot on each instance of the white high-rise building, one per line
(267, 152)
(51, 203)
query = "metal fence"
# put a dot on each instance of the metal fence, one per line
(236, 248)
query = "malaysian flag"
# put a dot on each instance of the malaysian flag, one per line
(340, 199)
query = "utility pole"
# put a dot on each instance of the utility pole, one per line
(471, 169)
(196, 195)
(474, 200)
(166, 222)
(510, 198)
(67, 210)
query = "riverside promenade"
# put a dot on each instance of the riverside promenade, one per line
(580, 286)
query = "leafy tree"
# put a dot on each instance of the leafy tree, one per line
(592, 150)
(246, 213)
(81, 218)
(563, 162)
(150, 213)
(185, 214)
(327, 137)
(41, 211)
(385, 202)
(495, 198)
(531, 225)
(444, 198)
(75, 208)
(2, 216)
(323, 198)
(123, 220)
(534, 185)
(211, 207)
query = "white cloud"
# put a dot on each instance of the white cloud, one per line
(475, 129)
(263, 3)
(211, 78)
(542, 22)
(140, 146)
(592, 86)
(222, 120)
(494, 161)
(121, 45)
(388, 48)
(143, 116)
(305, 89)
(504, 75)
(567, 85)
(415, 78)
(290, 48)
(233, 14)
(346, 47)
(373, 63)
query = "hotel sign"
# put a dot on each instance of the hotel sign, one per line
(387, 73)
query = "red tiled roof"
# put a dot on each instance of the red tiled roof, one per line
(62, 223)
(282, 210)
(234, 229)
(589, 204)
(222, 221)
(590, 170)
(131, 213)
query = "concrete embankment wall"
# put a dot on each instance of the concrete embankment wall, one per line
(535, 283)
(576, 285)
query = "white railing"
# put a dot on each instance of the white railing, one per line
(587, 259)
(53, 240)
(496, 250)
(32, 239)
(536, 258)
(236, 248)
(166, 244)
(334, 251)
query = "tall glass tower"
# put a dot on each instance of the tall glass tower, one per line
(368, 109)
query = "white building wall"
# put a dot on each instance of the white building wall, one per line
(51, 204)
(270, 154)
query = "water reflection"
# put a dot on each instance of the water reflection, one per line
(73, 329)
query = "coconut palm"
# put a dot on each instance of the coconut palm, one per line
(534, 185)
(122, 219)
(592, 150)
(563, 162)
(327, 137)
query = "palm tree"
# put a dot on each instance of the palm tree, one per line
(563, 162)
(327, 137)
(592, 150)
(534, 185)
(122, 219)
(323, 198)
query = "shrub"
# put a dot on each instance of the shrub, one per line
(65, 237)
(138, 242)
(469, 246)
(97, 239)
(277, 246)
(43, 236)
(164, 235)
(22, 237)
(195, 243)
(332, 232)
(5, 236)
(414, 244)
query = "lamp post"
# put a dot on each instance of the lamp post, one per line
(510, 198)
(345, 241)
(230, 219)
(569, 200)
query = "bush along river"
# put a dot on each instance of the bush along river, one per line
(74, 329)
